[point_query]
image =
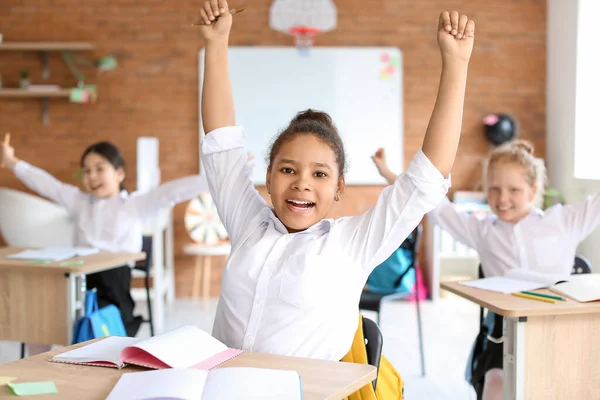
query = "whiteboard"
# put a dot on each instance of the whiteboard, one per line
(360, 87)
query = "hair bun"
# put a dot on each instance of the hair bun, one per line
(524, 145)
(312, 115)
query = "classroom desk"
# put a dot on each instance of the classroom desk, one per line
(551, 351)
(39, 303)
(320, 379)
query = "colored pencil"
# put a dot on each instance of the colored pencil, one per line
(548, 296)
(528, 296)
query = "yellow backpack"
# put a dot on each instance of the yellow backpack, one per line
(389, 382)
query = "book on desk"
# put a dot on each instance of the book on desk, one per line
(185, 347)
(219, 384)
(581, 288)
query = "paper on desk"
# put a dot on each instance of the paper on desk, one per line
(504, 285)
(52, 253)
(6, 379)
(33, 388)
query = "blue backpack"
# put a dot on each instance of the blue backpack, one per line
(96, 322)
(396, 275)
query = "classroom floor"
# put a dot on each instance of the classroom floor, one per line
(449, 328)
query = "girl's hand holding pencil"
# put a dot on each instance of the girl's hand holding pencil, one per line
(217, 20)
(202, 21)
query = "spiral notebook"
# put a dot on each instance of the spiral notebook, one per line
(185, 347)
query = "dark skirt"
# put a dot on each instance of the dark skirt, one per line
(487, 355)
(114, 287)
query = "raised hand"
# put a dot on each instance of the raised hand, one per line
(217, 20)
(455, 36)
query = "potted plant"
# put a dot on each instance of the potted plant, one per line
(24, 81)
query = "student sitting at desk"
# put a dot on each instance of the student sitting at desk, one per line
(106, 216)
(519, 235)
(294, 277)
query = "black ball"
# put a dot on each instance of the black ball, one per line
(499, 128)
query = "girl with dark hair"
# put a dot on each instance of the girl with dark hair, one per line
(294, 277)
(106, 216)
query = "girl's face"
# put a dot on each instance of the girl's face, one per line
(303, 181)
(509, 192)
(100, 178)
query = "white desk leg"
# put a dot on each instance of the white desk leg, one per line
(170, 259)
(514, 358)
(76, 287)
(157, 294)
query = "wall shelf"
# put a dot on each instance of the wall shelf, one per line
(46, 46)
(43, 48)
(26, 93)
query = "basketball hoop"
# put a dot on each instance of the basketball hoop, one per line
(303, 19)
(304, 37)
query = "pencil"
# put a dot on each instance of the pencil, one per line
(528, 296)
(548, 296)
(232, 12)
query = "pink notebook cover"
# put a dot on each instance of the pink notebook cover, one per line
(136, 356)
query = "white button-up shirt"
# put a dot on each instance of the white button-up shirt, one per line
(111, 224)
(542, 241)
(297, 294)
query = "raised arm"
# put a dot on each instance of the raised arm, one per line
(40, 181)
(455, 38)
(384, 170)
(370, 238)
(464, 227)
(582, 218)
(224, 158)
(217, 98)
(147, 205)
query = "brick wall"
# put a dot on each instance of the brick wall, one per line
(154, 91)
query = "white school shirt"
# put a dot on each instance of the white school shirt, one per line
(110, 224)
(297, 293)
(543, 241)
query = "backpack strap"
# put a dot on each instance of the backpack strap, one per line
(91, 302)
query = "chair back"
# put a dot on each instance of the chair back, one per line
(373, 343)
(145, 264)
(581, 266)
(30, 221)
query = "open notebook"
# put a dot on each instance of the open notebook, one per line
(185, 347)
(582, 288)
(218, 384)
(585, 287)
